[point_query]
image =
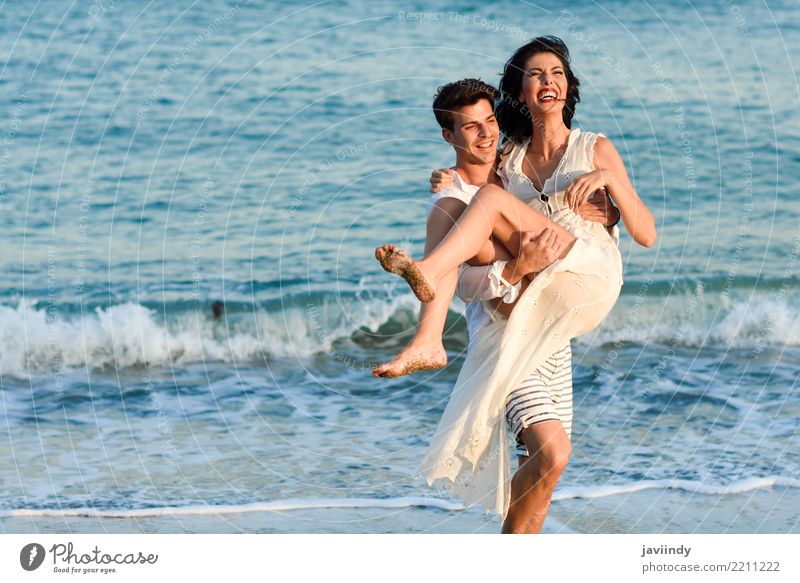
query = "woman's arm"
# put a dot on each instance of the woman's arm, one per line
(611, 174)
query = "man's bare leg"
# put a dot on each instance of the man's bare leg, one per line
(534, 482)
(492, 212)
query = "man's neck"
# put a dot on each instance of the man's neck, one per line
(475, 174)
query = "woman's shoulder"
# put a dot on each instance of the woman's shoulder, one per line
(511, 155)
(594, 145)
(510, 148)
(590, 137)
(603, 150)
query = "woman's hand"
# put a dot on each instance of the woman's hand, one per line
(599, 209)
(584, 186)
(441, 179)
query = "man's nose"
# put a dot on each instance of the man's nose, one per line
(483, 130)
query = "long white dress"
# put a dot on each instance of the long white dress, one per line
(468, 454)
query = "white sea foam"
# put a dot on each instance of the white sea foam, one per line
(703, 320)
(36, 339)
(275, 506)
(33, 340)
(745, 485)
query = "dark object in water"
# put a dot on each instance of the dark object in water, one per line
(218, 308)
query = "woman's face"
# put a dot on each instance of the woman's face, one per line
(544, 83)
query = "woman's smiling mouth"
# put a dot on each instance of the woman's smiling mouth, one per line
(547, 95)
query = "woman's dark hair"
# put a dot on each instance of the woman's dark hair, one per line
(513, 116)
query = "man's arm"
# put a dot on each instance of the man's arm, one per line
(500, 279)
(600, 208)
(482, 282)
(503, 280)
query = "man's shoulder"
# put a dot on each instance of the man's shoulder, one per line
(459, 190)
(447, 199)
(454, 191)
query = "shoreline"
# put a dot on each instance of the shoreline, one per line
(758, 511)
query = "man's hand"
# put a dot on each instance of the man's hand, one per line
(600, 209)
(537, 252)
(441, 179)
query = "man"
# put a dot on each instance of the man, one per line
(492, 283)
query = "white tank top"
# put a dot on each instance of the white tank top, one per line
(577, 159)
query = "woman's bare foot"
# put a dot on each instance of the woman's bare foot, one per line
(397, 261)
(414, 357)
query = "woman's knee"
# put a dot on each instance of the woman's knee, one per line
(491, 192)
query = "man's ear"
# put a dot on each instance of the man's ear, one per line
(449, 136)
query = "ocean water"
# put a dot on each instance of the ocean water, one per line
(156, 159)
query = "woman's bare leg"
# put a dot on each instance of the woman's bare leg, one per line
(492, 212)
(426, 351)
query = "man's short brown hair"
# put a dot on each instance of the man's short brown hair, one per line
(458, 94)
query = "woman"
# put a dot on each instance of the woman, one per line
(569, 298)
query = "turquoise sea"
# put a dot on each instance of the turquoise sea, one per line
(157, 158)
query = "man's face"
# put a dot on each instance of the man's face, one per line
(475, 133)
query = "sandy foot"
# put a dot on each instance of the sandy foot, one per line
(397, 261)
(412, 359)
